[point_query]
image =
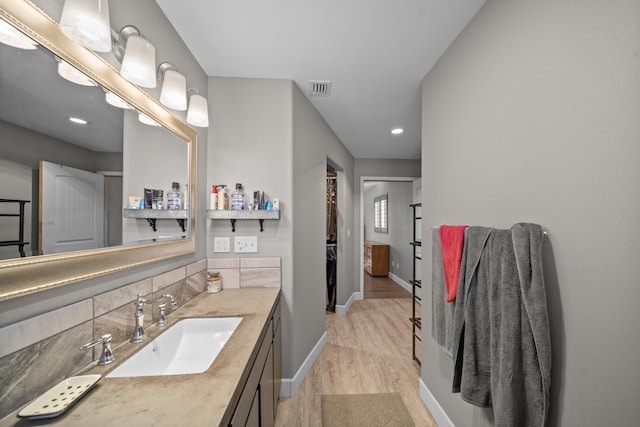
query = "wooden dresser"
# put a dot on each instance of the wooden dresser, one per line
(376, 258)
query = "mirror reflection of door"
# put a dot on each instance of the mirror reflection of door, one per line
(71, 209)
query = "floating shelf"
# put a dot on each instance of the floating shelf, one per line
(151, 215)
(233, 216)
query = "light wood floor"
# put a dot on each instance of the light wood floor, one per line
(367, 351)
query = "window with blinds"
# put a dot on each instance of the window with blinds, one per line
(381, 214)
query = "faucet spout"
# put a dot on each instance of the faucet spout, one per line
(172, 300)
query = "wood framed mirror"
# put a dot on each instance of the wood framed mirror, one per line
(24, 276)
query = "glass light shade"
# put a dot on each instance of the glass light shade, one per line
(87, 22)
(72, 74)
(143, 118)
(116, 101)
(139, 62)
(9, 35)
(198, 114)
(174, 90)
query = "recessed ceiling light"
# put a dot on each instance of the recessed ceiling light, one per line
(78, 120)
(397, 131)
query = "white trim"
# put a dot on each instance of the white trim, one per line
(343, 309)
(289, 386)
(434, 407)
(399, 281)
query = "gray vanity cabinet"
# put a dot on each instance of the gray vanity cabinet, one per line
(259, 399)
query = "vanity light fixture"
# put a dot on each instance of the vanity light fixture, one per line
(198, 114)
(397, 131)
(9, 35)
(87, 22)
(174, 87)
(73, 75)
(137, 55)
(143, 118)
(115, 100)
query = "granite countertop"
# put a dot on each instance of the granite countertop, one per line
(198, 399)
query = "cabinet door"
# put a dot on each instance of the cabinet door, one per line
(267, 417)
(254, 413)
(277, 366)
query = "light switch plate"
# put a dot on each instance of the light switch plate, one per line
(245, 244)
(221, 244)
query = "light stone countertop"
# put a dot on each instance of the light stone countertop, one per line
(206, 399)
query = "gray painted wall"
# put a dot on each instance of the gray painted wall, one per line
(268, 137)
(315, 144)
(532, 115)
(400, 224)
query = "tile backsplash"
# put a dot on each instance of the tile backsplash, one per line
(39, 352)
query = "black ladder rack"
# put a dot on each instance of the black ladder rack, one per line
(415, 319)
(20, 243)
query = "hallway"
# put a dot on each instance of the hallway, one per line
(367, 351)
(382, 287)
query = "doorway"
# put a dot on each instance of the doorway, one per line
(331, 238)
(391, 228)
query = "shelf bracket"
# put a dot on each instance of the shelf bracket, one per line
(152, 223)
(181, 223)
(233, 225)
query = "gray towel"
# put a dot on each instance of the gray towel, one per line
(441, 310)
(502, 347)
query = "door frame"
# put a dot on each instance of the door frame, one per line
(360, 294)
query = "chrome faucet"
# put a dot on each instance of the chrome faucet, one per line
(162, 321)
(107, 355)
(139, 334)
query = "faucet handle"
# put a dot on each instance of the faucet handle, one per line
(162, 321)
(107, 355)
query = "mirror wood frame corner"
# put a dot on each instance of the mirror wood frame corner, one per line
(24, 276)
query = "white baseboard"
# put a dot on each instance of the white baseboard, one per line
(343, 309)
(436, 410)
(289, 386)
(400, 282)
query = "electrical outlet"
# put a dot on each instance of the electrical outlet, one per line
(397, 265)
(245, 244)
(221, 244)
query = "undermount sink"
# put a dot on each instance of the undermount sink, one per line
(188, 347)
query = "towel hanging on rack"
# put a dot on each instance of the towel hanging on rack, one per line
(501, 342)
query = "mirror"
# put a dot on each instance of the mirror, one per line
(139, 244)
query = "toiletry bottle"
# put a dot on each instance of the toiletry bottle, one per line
(222, 197)
(237, 198)
(173, 196)
(213, 202)
(184, 202)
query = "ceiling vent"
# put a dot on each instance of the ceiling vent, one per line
(319, 88)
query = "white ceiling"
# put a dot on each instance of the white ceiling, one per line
(375, 53)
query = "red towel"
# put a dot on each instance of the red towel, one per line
(451, 241)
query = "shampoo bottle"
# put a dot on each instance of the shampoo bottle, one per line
(213, 201)
(222, 198)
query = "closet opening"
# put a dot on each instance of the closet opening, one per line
(332, 238)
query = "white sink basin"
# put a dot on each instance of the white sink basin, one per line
(188, 347)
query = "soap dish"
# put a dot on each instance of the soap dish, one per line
(59, 398)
